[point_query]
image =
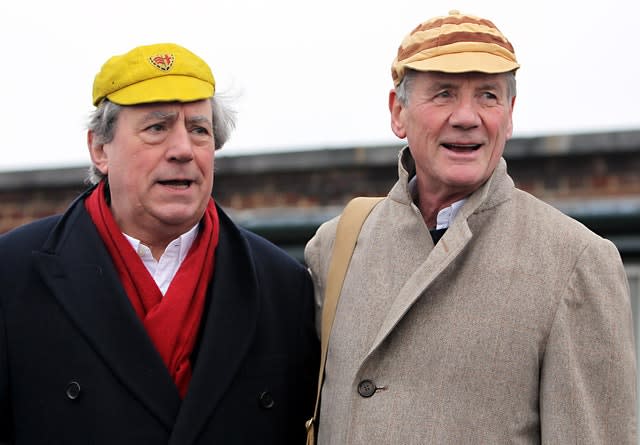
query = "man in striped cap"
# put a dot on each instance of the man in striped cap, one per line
(514, 325)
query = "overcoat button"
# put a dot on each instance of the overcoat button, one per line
(366, 388)
(266, 400)
(73, 390)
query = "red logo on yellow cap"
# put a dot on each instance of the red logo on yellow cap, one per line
(162, 61)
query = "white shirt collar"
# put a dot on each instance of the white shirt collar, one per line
(166, 267)
(445, 216)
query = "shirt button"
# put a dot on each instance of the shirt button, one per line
(266, 400)
(73, 390)
(366, 388)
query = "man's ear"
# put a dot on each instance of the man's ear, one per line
(98, 155)
(395, 108)
(510, 128)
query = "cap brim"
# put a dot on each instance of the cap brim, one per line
(163, 89)
(464, 62)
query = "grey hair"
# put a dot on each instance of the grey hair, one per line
(403, 90)
(102, 122)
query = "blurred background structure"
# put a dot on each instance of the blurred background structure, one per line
(285, 196)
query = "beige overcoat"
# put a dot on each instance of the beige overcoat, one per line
(515, 328)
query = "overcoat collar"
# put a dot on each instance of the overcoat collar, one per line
(78, 270)
(497, 189)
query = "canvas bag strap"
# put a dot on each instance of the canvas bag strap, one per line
(349, 225)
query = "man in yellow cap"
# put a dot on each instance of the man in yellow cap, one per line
(144, 315)
(471, 312)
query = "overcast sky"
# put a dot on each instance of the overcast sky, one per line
(304, 74)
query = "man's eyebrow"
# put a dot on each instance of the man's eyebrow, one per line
(444, 85)
(163, 115)
(489, 86)
(199, 120)
(440, 85)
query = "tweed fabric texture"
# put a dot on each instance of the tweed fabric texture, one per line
(514, 328)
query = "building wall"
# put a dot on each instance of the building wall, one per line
(285, 196)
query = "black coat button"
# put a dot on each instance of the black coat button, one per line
(366, 388)
(266, 400)
(73, 390)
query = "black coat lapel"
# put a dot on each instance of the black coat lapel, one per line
(229, 329)
(79, 271)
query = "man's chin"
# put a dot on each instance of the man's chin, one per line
(185, 217)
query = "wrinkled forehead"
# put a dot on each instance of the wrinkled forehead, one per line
(160, 109)
(498, 82)
(198, 112)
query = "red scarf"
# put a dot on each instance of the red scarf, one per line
(171, 321)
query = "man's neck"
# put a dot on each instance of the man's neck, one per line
(430, 204)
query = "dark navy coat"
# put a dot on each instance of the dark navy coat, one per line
(77, 367)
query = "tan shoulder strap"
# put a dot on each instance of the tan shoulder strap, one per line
(349, 225)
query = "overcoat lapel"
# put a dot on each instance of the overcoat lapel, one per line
(443, 253)
(76, 266)
(495, 190)
(229, 329)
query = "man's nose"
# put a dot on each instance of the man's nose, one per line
(465, 114)
(180, 146)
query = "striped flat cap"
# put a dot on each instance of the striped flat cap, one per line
(456, 43)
